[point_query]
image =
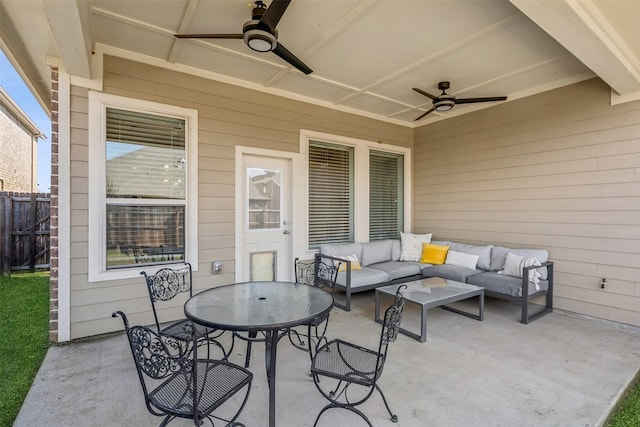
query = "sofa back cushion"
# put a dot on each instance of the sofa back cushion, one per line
(375, 252)
(342, 249)
(396, 250)
(499, 254)
(483, 252)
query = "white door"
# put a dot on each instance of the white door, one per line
(266, 218)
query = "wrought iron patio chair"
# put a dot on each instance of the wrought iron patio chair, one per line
(352, 368)
(321, 275)
(178, 384)
(165, 285)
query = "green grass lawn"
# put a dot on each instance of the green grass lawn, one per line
(24, 328)
(627, 414)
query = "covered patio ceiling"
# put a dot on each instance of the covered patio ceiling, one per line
(366, 55)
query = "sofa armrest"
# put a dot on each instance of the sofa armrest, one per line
(525, 275)
(525, 292)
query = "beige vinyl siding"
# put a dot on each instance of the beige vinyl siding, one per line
(559, 170)
(227, 116)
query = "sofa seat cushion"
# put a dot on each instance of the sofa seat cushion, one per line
(364, 277)
(449, 271)
(398, 269)
(509, 285)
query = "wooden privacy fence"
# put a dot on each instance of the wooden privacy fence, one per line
(24, 231)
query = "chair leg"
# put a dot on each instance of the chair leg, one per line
(394, 417)
(167, 420)
(347, 407)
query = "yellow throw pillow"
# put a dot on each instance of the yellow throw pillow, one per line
(433, 254)
(355, 264)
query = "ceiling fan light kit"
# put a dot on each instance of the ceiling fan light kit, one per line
(446, 102)
(260, 41)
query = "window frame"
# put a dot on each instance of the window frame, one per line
(98, 104)
(361, 149)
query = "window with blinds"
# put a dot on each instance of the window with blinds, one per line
(145, 156)
(386, 202)
(145, 188)
(330, 194)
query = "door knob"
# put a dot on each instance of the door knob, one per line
(285, 231)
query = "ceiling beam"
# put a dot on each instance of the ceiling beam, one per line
(586, 33)
(70, 26)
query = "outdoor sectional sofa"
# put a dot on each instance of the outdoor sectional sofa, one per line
(380, 263)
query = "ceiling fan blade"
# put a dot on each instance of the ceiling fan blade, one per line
(428, 95)
(424, 114)
(274, 13)
(471, 100)
(283, 53)
(209, 36)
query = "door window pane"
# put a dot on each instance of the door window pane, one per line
(263, 206)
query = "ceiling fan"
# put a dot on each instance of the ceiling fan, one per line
(260, 32)
(445, 102)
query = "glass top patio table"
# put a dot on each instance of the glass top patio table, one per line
(260, 306)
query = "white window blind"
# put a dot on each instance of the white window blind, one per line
(145, 156)
(330, 194)
(385, 195)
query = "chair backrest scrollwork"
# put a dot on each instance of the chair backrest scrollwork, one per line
(166, 283)
(393, 318)
(319, 274)
(156, 356)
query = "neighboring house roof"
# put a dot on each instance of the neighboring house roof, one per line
(255, 194)
(14, 109)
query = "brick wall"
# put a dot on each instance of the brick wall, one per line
(17, 160)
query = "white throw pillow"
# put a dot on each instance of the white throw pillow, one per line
(411, 245)
(513, 265)
(462, 260)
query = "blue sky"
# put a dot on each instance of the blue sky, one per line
(16, 88)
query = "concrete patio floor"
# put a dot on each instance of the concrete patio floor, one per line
(561, 370)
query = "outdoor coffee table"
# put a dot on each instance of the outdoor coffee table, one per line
(430, 293)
